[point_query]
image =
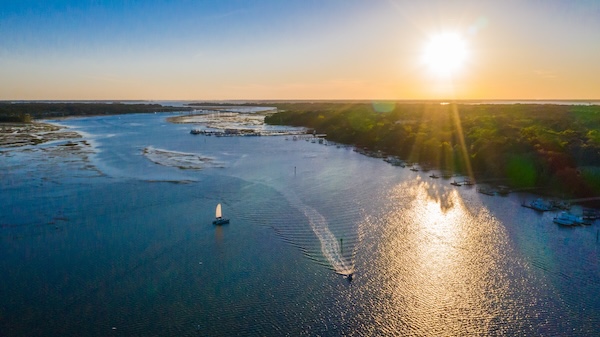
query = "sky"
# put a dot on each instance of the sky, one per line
(297, 49)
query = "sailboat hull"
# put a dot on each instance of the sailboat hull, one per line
(221, 221)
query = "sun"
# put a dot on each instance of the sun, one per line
(445, 54)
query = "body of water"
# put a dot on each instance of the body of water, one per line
(103, 239)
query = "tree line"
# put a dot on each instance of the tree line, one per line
(26, 112)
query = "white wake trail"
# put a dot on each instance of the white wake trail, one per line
(330, 247)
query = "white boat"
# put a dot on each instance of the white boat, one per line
(569, 219)
(219, 219)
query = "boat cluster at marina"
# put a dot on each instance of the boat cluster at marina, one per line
(542, 205)
(567, 216)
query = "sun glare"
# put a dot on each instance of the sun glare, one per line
(445, 54)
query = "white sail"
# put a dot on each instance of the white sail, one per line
(218, 211)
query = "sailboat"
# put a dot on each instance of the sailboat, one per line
(219, 219)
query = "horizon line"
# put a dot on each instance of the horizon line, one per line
(200, 100)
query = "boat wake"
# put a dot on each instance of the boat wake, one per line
(331, 247)
(328, 234)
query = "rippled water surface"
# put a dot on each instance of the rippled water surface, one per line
(115, 238)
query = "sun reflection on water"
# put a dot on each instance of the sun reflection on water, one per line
(439, 268)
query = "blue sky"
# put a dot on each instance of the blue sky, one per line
(330, 49)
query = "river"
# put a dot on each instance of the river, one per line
(115, 237)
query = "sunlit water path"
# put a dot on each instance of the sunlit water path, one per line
(116, 239)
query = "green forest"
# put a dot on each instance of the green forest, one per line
(552, 147)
